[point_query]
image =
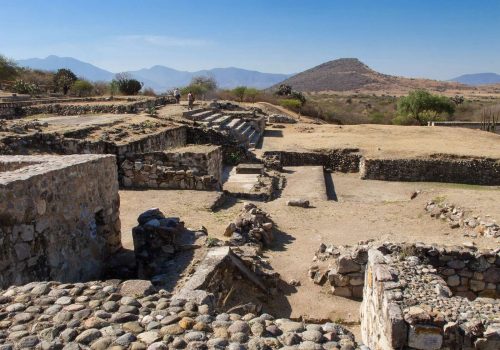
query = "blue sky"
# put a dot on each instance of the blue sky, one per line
(422, 38)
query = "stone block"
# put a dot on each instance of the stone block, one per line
(346, 264)
(425, 337)
(453, 281)
(342, 291)
(476, 285)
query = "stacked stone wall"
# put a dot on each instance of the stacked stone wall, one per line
(469, 273)
(194, 168)
(59, 217)
(61, 144)
(479, 171)
(343, 160)
(407, 304)
(65, 107)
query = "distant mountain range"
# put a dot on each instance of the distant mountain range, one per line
(344, 74)
(160, 78)
(478, 79)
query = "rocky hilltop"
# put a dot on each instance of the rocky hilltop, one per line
(348, 74)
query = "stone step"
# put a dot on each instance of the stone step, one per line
(212, 117)
(222, 120)
(246, 133)
(254, 139)
(189, 114)
(241, 126)
(233, 123)
(201, 115)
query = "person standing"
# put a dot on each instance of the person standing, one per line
(177, 95)
(190, 100)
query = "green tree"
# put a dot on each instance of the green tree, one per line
(423, 106)
(252, 93)
(240, 92)
(82, 88)
(64, 79)
(8, 68)
(284, 90)
(127, 85)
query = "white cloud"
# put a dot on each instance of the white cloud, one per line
(162, 41)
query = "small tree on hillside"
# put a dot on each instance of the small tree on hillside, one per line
(8, 69)
(423, 106)
(64, 79)
(284, 90)
(82, 88)
(252, 93)
(127, 85)
(240, 92)
(200, 86)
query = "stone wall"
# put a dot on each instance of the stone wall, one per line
(75, 107)
(467, 125)
(468, 272)
(437, 168)
(59, 217)
(191, 167)
(343, 160)
(407, 304)
(73, 144)
(232, 152)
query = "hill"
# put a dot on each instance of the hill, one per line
(158, 77)
(478, 79)
(350, 74)
(80, 68)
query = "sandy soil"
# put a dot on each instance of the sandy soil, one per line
(385, 140)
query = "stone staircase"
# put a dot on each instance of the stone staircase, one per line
(244, 127)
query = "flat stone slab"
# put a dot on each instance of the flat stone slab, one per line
(305, 182)
(250, 169)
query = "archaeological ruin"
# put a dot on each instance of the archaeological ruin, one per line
(121, 228)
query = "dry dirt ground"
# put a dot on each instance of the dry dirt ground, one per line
(384, 140)
(364, 209)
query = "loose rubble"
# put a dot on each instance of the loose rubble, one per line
(252, 225)
(473, 226)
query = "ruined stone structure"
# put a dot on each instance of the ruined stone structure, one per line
(195, 167)
(437, 168)
(407, 303)
(244, 126)
(344, 160)
(418, 296)
(74, 106)
(59, 217)
(464, 124)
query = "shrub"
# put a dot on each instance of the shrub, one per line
(101, 88)
(252, 94)
(148, 92)
(23, 87)
(200, 86)
(292, 104)
(239, 92)
(82, 88)
(8, 68)
(377, 118)
(126, 85)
